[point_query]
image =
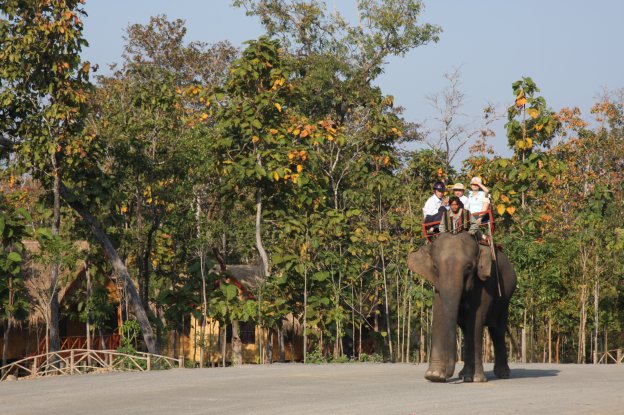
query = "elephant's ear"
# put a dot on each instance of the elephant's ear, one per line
(420, 263)
(484, 267)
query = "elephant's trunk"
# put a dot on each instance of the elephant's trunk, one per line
(444, 334)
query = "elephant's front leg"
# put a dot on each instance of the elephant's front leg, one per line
(467, 326)
(442, 362)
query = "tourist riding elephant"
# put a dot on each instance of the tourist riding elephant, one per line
(467, 283)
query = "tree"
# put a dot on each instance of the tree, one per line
(44, 91)
(45, 88)
(13, 301)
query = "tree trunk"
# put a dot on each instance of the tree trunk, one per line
(88, 328)
(223, 344)
(270, 345)
(385, 284)
(582, 323)
(117, 265)
(549, 340)
(237, 346)
(305, 313)
(55, 338)
(596, 316)
(523, 346)
(5, 344)
(281, 344)
(259, 245)
(145, 268)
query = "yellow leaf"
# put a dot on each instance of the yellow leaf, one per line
(297, 131)
(504, 198)
(511, 210)
(273, 131)
(299, 168)
(291, 156)
(124, 209)
(500, 209)
(275, 176)
(529, 143)
(278, 106)
(203, 116)
(539, 127)
(520, 144)
(255, 139)
(533, 112)
(521, 101)
(330, 138)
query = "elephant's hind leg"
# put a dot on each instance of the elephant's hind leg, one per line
(501, 368)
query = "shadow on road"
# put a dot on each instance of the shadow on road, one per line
(533, 373)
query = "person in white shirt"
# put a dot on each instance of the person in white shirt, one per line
(435, 206)
(478, 200)
(458, 190)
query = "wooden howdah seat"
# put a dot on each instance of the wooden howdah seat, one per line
(487, 227)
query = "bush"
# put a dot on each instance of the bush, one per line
(373, 358)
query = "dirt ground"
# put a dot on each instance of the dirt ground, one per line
(321, 389)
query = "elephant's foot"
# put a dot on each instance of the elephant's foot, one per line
(477, 377)
(471, 376)
(502, 371)
(435, 375)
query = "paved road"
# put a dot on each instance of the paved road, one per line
(321, 389)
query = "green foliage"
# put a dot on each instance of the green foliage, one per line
(371, 358)
(130, 331)
(191, 138)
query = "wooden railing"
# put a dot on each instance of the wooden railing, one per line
(110, 342)
(75, 361)
(608, 357)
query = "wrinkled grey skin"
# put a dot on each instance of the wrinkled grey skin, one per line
(466, 293)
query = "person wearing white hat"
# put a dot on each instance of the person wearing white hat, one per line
(478, 200)
(458, 190)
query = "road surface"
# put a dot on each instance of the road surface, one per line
(321, 389)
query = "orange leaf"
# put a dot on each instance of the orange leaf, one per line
(520, 102)
(511, 210)
(500, 209)
(533, 112)
(299, 168)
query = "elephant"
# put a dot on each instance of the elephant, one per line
(472, 291)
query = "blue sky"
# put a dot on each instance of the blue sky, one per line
(570, 48)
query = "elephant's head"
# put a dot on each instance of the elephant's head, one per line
(453, 264)
(451, 256)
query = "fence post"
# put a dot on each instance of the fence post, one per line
(71, 362)
(149, 362)
(35, 367)
(181, 363)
